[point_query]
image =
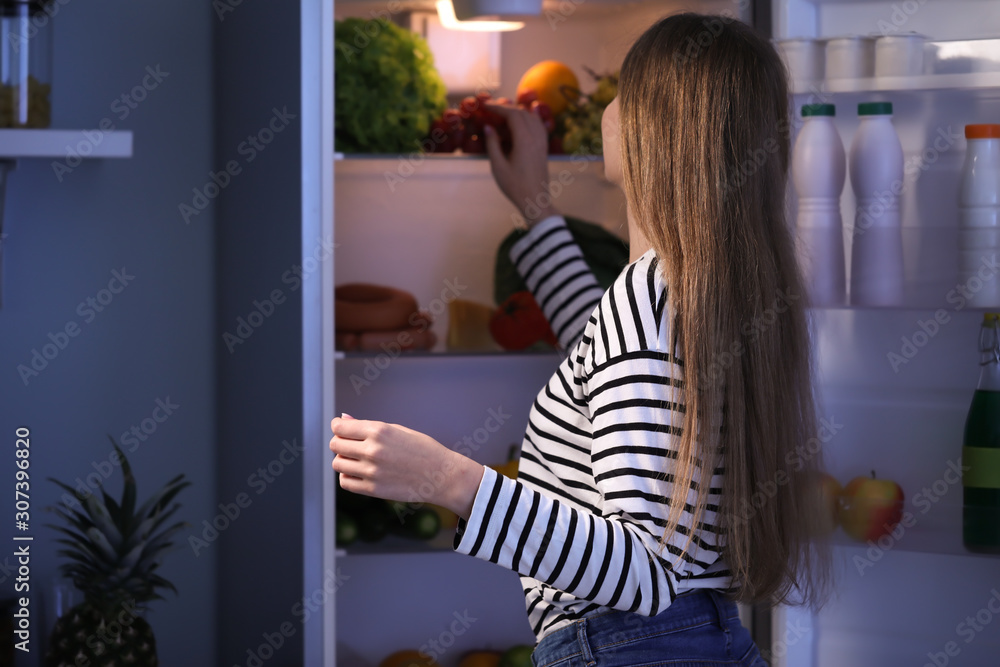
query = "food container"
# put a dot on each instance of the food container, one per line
(851, 57)
(803, 58)
(26, 63)
(900, 55)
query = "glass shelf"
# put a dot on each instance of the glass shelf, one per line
(454, 156)
(893, 84)
(454, 354)
(395, 545)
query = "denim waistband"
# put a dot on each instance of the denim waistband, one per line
(590, 633)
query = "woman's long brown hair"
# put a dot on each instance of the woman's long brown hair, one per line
(703, 116)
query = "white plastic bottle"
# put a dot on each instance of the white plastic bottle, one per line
(979, 216)
(876, 167)
(818, 172)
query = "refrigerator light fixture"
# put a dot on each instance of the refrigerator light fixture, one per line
(446, 12)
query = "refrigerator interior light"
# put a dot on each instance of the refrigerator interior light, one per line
(446, 12)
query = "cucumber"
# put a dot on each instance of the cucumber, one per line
(423, 524)
(347, 529)
(374, 522)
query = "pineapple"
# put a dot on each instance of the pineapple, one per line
(113, 551)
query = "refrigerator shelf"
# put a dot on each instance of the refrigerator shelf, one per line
(400, 546)
(889, 84)
(459, 156)
(451, 354)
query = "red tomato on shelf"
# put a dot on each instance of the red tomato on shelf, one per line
(519, 322)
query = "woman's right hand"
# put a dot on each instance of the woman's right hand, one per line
(523, 175)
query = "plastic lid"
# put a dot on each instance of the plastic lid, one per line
(875, 109)
(982, 131)
(820, 110)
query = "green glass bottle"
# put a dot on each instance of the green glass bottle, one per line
(981, 448)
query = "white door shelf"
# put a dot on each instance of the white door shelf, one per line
(986, 81)
(93, 143)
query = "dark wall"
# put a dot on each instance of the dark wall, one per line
(154, 340)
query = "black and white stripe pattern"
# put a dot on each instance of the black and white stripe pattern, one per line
(582, 523)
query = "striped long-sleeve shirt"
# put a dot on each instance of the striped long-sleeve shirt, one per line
(582, 522)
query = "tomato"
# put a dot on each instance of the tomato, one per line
(519, 322)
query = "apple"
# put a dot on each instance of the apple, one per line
(870, 507)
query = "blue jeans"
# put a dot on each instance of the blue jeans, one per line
(700, 628)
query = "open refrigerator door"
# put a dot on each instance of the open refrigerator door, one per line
(896, 380)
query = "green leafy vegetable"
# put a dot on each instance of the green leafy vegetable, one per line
(387, 89)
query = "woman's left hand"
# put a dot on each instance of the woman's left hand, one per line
(397, 463)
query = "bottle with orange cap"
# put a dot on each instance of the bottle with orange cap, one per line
(981, 448)
(979, 217)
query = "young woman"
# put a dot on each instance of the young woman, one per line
(666, 469)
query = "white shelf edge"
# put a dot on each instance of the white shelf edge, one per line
(87, 144)
(890, 84)
(450, 157)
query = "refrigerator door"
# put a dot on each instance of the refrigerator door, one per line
(896, 382)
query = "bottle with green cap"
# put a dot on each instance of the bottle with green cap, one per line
(981, 448)
(818, 172)
(876, 168)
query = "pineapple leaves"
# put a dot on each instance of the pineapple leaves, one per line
(163, 497)
(103, 524)
(112, 549)
(72, 517)
(129, 489)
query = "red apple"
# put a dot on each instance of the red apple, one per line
(870, 507)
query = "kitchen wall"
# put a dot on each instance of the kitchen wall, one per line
(153, 344)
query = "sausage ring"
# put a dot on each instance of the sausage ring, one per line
(417, 336)
(362, 307)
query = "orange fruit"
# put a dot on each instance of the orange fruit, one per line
(553, 82)
(408, 658)
(480, 659)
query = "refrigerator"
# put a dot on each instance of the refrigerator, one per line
(894, 382)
